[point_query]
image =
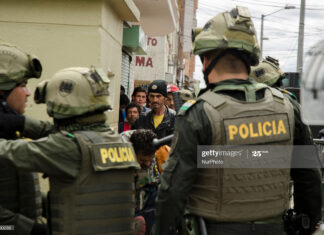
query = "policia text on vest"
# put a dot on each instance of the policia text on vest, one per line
(257, 129)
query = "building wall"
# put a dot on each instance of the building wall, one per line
(65, 33)
(152, 66)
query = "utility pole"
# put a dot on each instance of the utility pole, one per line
(300, 52)
(262, 20)
(261, 37)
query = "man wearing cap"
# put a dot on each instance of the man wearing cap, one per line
(170, 101)
(160, 119)
(20, 199)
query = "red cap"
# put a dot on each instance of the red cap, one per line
(172, 88)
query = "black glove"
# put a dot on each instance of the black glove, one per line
(10, 124)
(38, 229)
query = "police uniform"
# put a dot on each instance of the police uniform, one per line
(90, 167)
(20, 199)
(185, 186)
(234, 112)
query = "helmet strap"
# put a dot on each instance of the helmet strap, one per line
(212, 65)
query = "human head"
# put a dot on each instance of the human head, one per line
(139, 96)
(16, 67)
(170, 102)
(73, 92)
(228, 33)
(122, 89)
(268, 72)
(124, 101)
(132, 111)
(157, 93)
(142, 140)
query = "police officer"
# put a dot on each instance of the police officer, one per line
(20, 199)
(89, 167)
(238, 200)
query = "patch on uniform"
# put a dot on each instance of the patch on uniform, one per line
(113, 156)
(257, 129)
(259, 72)
(66, 87)
(186, 106)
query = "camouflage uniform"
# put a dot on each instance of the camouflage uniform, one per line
(146, 184)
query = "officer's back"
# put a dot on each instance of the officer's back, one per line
(90, 167)
(233, 110)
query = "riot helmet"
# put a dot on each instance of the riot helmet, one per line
(312, 86)
(16, 66)
(229, 31)
(74, 92)
(267, 71)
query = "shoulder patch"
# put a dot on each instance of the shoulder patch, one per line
(288, 93)
(186, 106)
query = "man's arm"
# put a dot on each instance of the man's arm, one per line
(180, 171)
(307, 181)
(57, 155)
(36, 129)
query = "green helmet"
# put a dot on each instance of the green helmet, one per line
(16, 66)
(229, 30)
(74, 92)
(267, 71)
(186, 95)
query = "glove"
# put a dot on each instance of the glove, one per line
(38, 229)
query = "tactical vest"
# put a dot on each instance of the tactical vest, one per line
(100, 200)
(244, 194)
(20, 191)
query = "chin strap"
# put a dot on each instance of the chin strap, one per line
(212, 65)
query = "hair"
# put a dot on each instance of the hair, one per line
(124, 99)
(122, 88)
(133, 105)
(139, 89)
(242, 55)
(142, 141)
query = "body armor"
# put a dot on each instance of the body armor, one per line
(21, 192)
(100, 200)
(244, 194)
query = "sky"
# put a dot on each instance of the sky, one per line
(281, 28)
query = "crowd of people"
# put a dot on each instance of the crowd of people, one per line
(103, 181)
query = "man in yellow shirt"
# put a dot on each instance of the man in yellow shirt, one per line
(160, 119)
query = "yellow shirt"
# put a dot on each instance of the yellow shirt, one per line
(157, 120)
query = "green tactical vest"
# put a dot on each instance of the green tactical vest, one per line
(244, 194)
(100, 200)
(21, 192)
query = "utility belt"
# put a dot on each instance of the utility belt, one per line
(290, 224)
(196, 225)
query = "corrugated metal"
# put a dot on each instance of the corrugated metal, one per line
(125, 71)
